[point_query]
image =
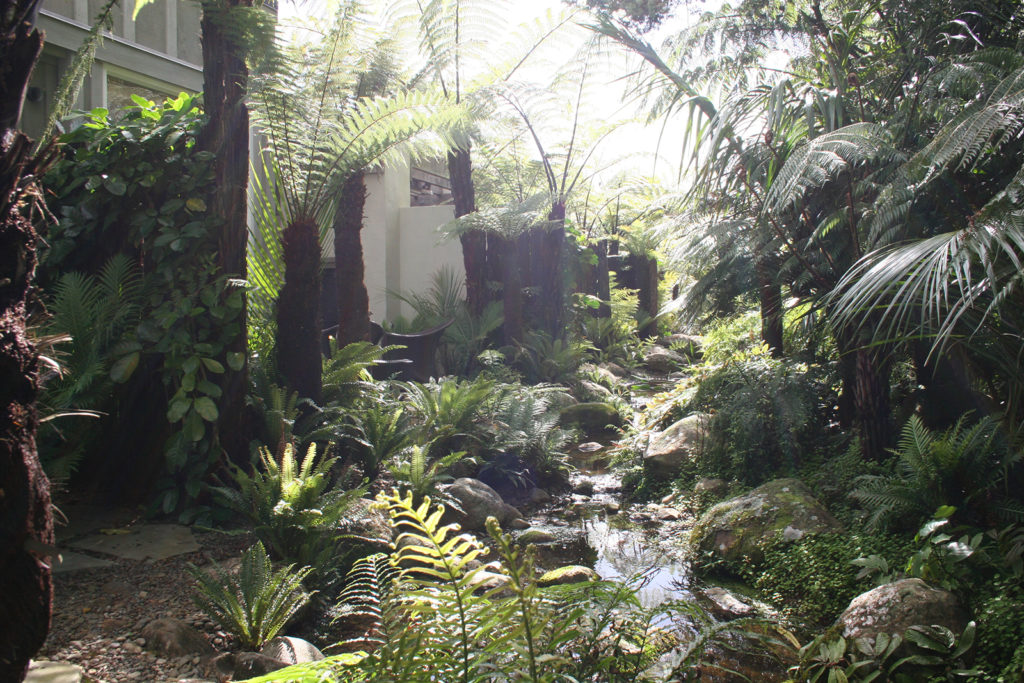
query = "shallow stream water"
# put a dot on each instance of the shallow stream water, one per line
(627, 543)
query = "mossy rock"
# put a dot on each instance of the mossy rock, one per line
(591, 417)
(740, 528)
(573, 573)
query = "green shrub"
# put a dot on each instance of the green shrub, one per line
(813, 579)
(1001, 628)
(138, 186)
(254, 605)
(768, 417)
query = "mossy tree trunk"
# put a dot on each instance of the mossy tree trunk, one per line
(225, 80)
(26, 520)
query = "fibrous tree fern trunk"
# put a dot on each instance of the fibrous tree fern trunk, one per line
(550, 260)
(512, 289)
(770, 295)
(298, 310)
(474, 242)
(225, 79)
(26, 522)
(871, 402)
(349, 270)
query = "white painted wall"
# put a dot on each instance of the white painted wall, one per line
(401, 249)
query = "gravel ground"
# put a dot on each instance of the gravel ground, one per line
(99, 614)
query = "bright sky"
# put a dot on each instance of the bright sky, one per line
(632, 147)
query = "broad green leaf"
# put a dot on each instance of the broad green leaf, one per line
(124, 367)
(195, 204)
(213, 366)
(178, 409)
(206, 408)
(236, 359)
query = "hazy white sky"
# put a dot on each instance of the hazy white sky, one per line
(634, 145)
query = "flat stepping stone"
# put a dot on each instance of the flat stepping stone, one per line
(56, 672)
(70, 561)
(143, 542)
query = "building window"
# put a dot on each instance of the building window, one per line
(119, 94)
(428, 189)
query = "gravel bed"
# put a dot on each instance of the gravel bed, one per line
(99, 614)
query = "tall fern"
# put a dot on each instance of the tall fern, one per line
(967, 467)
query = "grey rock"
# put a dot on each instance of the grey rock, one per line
(668, 451)
(896, 606)
(55, 672)
(292, 650)
(479, 501)
(662, 361)
(714, 487)
(539, 496)
(143, 542)
(174, 638)
(591, 417)
(741, 527)
(723, 604)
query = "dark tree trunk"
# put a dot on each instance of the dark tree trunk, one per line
(512, 290)
(298, 311)
(947, 392)
(771, 308)
(474, 242)
(551, 277)
(848, 378)
(225, 79)
(871, 402)
(26, 520)
(349, 275)
(645, 279)
(604, 292)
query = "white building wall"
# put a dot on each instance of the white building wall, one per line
(401, 248)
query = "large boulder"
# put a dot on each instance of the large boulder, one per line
(895, 607)
(174, 638)
(668, 451)
(478, 502)
(591, 417)
(662, 361)
(557, 545)
(741, 527)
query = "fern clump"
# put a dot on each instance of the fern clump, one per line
(292, 507)
(257, 603)
(967, 467)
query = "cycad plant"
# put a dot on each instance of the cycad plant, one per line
(255, 604)
(447, 411)
(527, 425)
(292, 506)
(418, 476)
(968, 467)
(378, 433)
